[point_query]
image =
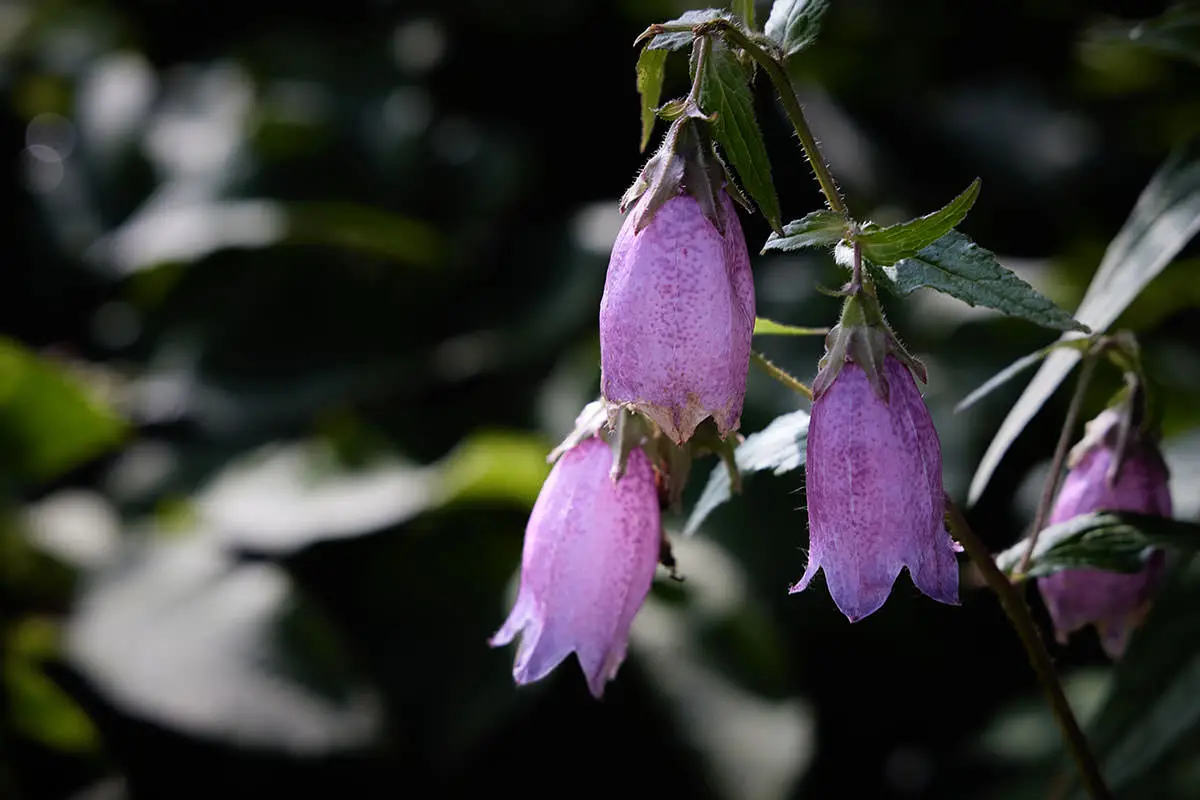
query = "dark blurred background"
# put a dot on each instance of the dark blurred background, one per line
(296, 298)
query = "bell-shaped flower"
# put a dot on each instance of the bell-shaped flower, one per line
(591, 547)
(1114, 602)
(873, 472)
(677, 315)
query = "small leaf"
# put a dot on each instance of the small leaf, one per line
(885, 246)
(1165, 218)
(960, 268)
(1020, 365)
(650, 68)
(769, 327)
(816, 229)
(780, 447)
(677, 40)
(50, 421)
(725, 91)
(794, 24)
(1114, 541)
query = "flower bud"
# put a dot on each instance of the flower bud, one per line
(873, 476)
(677, 317)
(1114, 602)
(591, 547)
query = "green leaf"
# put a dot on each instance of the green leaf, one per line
(1114, 541)
(744, 10)
(769, 327)
(816, 229)
(49, 420)
(1164, 220)
(39, 708)
(1175, 33)
(780, 447)
(650, 68)
(725, 91)
(885, 246)
(1020, 365)
(794, 24)
(677, 40)
(960, 268)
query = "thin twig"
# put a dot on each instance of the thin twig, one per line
(1060, 456)
(781, 375)
(1018, 614)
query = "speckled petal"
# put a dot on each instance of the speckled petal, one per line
(875, 499)
(591, 547)
(677, 317)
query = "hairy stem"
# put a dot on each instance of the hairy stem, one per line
(781, 375)
(1018, 614)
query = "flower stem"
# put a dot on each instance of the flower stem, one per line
(1060, 456)
(791, 105)
(781, 375)
(1018, 613)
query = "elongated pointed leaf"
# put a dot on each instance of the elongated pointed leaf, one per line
(960, 268)
(1114, 541)
(1017, 367)
(794, 24)
(769, 327)
(725, 91)
(779, 447)
(650, 68)
(885, 246)
(744, 10)
(816, 229)
(1165, 218)
(677, 40)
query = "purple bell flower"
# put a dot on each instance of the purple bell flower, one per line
(874, 482)
(591, 547)
(1114, 602)
(677, 316)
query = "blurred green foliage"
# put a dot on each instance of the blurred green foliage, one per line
(297, 297)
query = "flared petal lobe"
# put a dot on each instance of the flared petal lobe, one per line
(1114, 602)
(677, 317)
(591, 547)
(875, 500)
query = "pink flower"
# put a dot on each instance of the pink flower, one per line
(677, 316)
(874, 483)
(591, 547)
(1114, 602)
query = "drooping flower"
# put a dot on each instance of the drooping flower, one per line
(873, 473)
(677, 315)
(591, 547)
(1114, 602)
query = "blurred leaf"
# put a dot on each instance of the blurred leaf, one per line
(40, 709)
(495, 465)
(816, 229)
(744, 10)
(795, 24)
(677, 40)
(49, 422)
(769, 327)
(725, 91)
(1017, 367)
(1165, 218)
(650, 68)
(188, 233)
(1154, 702)
(180, 634)
(779, 447)
(885, 246)
(284, 497)
(960, 268)
(1174, 33)
(1114, 541)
